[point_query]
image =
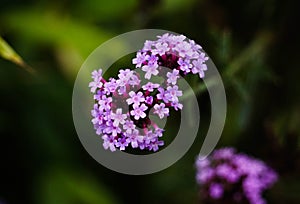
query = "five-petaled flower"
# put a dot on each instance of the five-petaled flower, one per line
(118, 117)
(138, 111)
(161, 110)
(135, 98)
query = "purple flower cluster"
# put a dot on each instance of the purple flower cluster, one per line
(176, 52)
(239, 178)
(128, 124)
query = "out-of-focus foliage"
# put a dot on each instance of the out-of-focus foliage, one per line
(254, 44)
(70, 186)
(71, 40)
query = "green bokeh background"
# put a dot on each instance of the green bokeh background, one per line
(254, 44)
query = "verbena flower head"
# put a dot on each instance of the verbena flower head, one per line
(229, 177)
(123, 104)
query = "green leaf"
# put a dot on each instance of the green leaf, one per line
(8, 53)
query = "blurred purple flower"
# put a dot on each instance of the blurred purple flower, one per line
(216, 190)
(229, 175)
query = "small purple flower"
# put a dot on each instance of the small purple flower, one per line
(125, 74)
(224, 153)
(176, 39)
(97, 114)
(122, 90)
(177, 106)
(122, 143)
(138, 111)
(111, 85)
(104, 103)
(161, 48)
(184, 49)
(149, 137)
(94, 85)
(98, 95)
(163, 38)
(227, 172)
(107, 115)
(205, 176)
(194, 46)
(150, 70)
(163, 95)
(202, 162)
(135, 98)
(185, 65)
(199, 68)
(155, 145)
(118, 117)
(150, 86)
(149, 100)
(216, 190)
(202, 58)
(152, 60)
(140, 58)
(109, 142)
(148, 45)
(173, 76)
(113, 130)
(134, 81)
(173, 93)
(135, 138)
(97, 75)
(129, 126)
(159, 132)
(124, 77)
(161, 110)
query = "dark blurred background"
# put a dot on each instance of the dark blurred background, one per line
(254, 44)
